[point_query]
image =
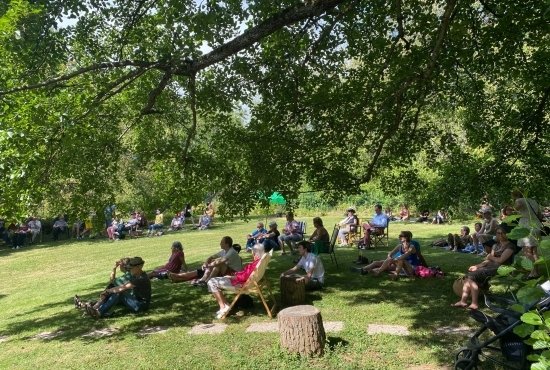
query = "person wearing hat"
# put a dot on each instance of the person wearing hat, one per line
(135, 294)
(487, 232)
(271, 237)
(348, 224)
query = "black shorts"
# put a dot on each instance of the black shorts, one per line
(200, 273)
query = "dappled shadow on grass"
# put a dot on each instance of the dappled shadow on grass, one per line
(334, 342)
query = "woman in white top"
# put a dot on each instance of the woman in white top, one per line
(347, 225)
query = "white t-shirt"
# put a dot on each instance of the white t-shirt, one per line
(311, 262)
(233, 259)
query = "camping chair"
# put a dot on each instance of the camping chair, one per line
(354, 234)
(302, 226)
(381, 237)
(254, 284)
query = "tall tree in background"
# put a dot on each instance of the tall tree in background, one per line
(144, 99)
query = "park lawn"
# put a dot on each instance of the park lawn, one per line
(39, 282)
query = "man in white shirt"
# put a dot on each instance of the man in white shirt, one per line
(225, 262)
(35, 226)
(311, 264)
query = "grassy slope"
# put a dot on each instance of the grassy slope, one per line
(38, 284)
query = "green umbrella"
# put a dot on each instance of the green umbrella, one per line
(277, 198)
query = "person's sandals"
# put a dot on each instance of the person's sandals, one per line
(92, 311)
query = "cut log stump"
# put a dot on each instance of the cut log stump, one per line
(293, 290)
(301, 330)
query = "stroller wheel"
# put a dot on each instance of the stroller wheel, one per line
(466, 364)
(464, 353)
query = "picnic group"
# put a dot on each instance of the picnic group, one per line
(129, 284)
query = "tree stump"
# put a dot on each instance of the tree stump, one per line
(301, 330)
(293, 290)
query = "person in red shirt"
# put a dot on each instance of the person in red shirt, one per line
(217, 284)
(175, 263)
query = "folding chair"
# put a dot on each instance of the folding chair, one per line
(317, 249)
(302, 226)
(382, 237)
(354, 235)
(255, 284)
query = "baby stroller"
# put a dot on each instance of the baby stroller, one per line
(511, 347)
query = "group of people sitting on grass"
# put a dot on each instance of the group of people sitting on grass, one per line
(221, 271)
(498, 248)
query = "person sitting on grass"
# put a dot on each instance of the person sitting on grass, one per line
(135, 294)
(206, 219)
(320, 237)
(114, 281)
(401, 258)
(256, 236)
(174, 264)
(311, 264)
(458, 242)
(502, 253)
(487, 232)
(225, 262)
(233, 281)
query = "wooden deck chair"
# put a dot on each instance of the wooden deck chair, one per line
(354, 234)
(255, 284)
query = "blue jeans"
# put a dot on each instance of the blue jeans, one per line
(270, 244)
(154, 227)
(290, 238)
(127, 299)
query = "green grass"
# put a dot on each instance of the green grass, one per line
(38, 284)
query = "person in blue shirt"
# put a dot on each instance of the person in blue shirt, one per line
(255, 236)
(375, 226)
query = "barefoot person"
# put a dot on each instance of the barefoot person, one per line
(501, 253)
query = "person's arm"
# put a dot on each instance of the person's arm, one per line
(121, 288)
(394, 250)
(290, 271)
(493, 227)
(411, 250)
(183, 263)
(503, 257)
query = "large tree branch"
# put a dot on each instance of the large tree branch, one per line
(422, 78)
(92, 68)
(252, 35)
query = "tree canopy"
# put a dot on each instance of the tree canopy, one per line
(160, 102)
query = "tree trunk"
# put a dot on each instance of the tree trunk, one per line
(293, 291)
(301, 330)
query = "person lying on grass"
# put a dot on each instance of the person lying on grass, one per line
(174, 264)
(224, 262)
(234, 281)
(478, 275)
(401, 258)
(311, 264)
(135, 294)
(114, 281)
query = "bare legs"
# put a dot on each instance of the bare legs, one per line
(470, 288)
